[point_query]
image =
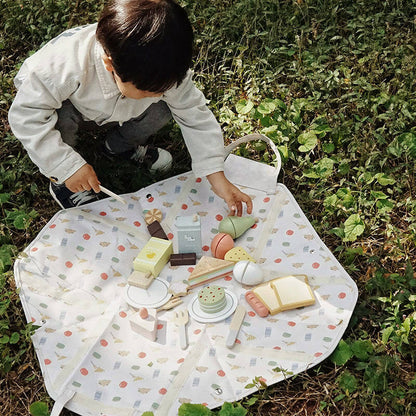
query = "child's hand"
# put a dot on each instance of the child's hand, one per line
(230, 194)
(84, 179)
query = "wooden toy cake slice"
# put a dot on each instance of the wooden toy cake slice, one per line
(144, 322)
(208, 269)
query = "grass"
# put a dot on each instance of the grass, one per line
(333, 84)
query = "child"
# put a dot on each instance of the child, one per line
(127, 75)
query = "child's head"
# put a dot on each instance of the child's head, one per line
(149, 42)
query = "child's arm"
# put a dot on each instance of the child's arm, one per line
(230, 193)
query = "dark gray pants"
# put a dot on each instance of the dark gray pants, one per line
(119, 139)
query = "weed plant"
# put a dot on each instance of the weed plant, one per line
(332, 83)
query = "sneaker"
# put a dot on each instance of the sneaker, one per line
(153, 158)
(67, 199)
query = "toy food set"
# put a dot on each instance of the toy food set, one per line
(72, 281)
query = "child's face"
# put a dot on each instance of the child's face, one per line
(127, 88)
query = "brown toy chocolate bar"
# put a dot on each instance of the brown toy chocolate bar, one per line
(156, 230)
(182, 259)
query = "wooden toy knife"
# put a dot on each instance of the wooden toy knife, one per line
(235, 325)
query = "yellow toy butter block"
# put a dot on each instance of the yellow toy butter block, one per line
(153, 256)
(293, 292)
(237, 254)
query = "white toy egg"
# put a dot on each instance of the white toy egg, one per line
(248, 273)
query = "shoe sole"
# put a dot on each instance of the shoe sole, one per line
(54, 196)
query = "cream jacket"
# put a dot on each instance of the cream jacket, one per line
(71, 67)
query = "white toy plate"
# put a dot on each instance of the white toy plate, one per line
(154, 296)
(200, 316)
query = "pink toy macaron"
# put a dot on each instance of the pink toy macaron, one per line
(220, 244)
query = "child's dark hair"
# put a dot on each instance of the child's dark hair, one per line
(149, 42)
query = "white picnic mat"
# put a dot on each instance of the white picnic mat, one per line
(73, 276)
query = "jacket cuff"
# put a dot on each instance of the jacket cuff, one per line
(65, 169)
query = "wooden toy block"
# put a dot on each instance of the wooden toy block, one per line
(182, 259)
(144, 322)
(140, 279)
(156, 230)
(189, 234)
(153, 256)
(208, 269)
(293, 292)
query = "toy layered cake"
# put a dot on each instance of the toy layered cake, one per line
(212, 299)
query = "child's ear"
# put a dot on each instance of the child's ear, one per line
(108, 63)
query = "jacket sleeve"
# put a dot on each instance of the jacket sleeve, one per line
(32, 118)
(200, 130)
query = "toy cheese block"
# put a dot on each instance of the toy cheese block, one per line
(284, 293)
(237, 254)
(208, 269)
(189, 234)
(153, 256)
(236, 226)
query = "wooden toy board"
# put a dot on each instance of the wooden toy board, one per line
(73, 278)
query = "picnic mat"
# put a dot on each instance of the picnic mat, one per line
(73, 280)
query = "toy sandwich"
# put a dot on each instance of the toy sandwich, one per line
(208, 269)
(281, 294)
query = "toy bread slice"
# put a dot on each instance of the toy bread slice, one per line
(208, 269)
(237, 254)
(268, 298)
(293, 292)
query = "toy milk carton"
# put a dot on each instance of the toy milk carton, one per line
(189, 234)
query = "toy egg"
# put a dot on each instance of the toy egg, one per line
(248, 273)
(236, 226)
(220, 244)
